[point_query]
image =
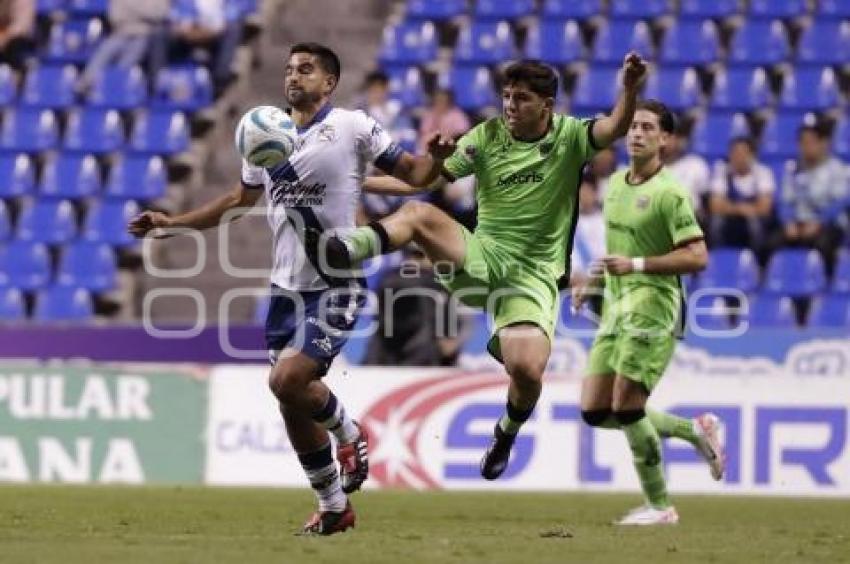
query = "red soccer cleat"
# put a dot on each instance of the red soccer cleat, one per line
(354, 461)
(330, 522)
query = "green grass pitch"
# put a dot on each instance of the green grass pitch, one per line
(45, 524)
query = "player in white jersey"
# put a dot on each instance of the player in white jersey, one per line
(313, 309)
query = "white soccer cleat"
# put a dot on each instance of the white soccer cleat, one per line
(708, 428)
(647, 515)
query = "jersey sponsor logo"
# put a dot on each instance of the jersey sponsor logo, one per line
(684, 221)
(291, 194)
(643, 202)
(327, 133)
(614, 226)
(519, 178)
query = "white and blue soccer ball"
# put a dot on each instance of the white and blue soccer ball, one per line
(266, 136)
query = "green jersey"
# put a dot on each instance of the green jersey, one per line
(527, 193)
(645, 220)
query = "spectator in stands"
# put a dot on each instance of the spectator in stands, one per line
(17, 21)
(689, 169)
(815, 197)
(200, 31)
(741, 201)
(135, 27)
(418, 323)
(602, 166)
(442, 116)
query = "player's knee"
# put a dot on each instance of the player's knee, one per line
(419, 213)
(287, 386)
(526, 373)
(628, 416)
(595, 417)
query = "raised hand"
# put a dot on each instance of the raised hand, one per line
(147, 221)
(440, 147)
(634, 71)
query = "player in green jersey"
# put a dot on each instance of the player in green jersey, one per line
(652, 237)
(528, 164)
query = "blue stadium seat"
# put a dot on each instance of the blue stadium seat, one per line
(833, 8)
(777, 8)
(94, 130)
(61, 304)
(760, 43)
(8, 85)
(571, 322)
(187, 88)
(503, 9)
(12, 305)
(473, 87)
(50, 86)
(120, 88)
(708, 312)
(70, 175)
(730, 268)
(411, 43)
(436, 10)
(160, 133)
(841, 138)
(17, 175)
(5, 222)
(73, 41)
(106, 222)
(29, 130)
(691, 43)
(616, 38)
(90, 8)
(741, 89)
(841, 275)
(639, 8)
(47, 221)
(810, 89)
(50, 7)
(711, 135)
(406, 86)
(485, 43)
(25, 265)
(571, 9)
(595, 90)
(831, 311)
(137, 177)
(238, 10)
(779, 137)
(556, 42)
(92, 266)
(678, 87)
(699, 9)
(795, 273)
(825, 43)
(767, 311)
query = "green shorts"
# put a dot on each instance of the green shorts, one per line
(640, 353)
(509, 290)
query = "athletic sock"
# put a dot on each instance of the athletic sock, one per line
(362, 242)
(669, 425)
(646, 452)
(513, 418)
(324, 478)
(334, 418)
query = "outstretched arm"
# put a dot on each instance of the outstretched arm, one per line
(208, 215)
(685, 259)
(391, 186)
(608, 129)
(422, 170)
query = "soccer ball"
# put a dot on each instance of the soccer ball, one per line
(265, 136)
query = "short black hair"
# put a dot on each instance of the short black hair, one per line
(666, 119)
(377, 77)
(325, 55)
(539, 77)
(743, 140)
(820, 129)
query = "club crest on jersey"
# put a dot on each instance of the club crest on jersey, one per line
(642, 202)
(470, 151)
(327, 133)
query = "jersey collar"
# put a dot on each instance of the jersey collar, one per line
(320, 115)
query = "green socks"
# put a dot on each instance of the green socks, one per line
(362, 243)
(672, 426)
(646, 451)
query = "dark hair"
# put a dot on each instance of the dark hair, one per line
(326, 57)
(666, 119)
(447, 92)
(743, 140)
(539, 77)
(819, 129)
(377, 77)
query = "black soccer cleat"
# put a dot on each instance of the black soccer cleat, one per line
(329, 522)
(496, 458)
(335, 252)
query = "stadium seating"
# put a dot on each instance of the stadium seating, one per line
(47, 221)
(639, 8)
(187, 88)
(137, 177)
(485, 43)
(595, 90)
(12, 305)
(92, 266)
(711, 135)
(571, 9)
(409, 43)
(94, 130)
(841, 138)
(73, 41)
(833, 8)
(88, 8)
(555, 42)
(8, 85)
(810, 89)
(795, 273)
(70, 175)
(730, 268)
(779, 137)
(699, 9)
(435, 10)
(29, 130)
(160, 133)
(617, 37)
(106, 222)
(740, 90)
(841, 276)
(50, 86)
(26, 265)
(473, 87)
(708, 312)
(5, 222)
(825, 43)
(678, 87)
(406, 86)
(771, 311)
(690, 43)
(62, 304)
(830, 311)
(777, 8)
(760, 43)
(119, 88)
(17, 175)
(503, 9)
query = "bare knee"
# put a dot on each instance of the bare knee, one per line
(628, 395)
(289, 386)
(419, 214)
(526, 373)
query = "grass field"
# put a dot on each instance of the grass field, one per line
(44, 524)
